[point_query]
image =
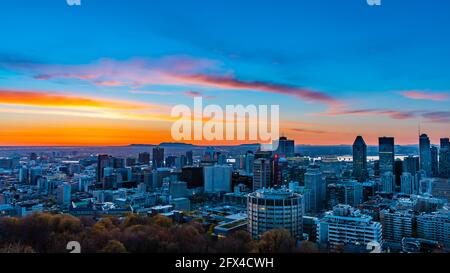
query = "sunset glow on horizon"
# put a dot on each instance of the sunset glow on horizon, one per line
(109, 75)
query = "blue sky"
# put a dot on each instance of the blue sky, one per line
(387, 66)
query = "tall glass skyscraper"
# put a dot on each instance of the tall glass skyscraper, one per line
(158, 158)
(286, 147)
(360, 159)
(387, 154)
(444, 158)
(425, 154)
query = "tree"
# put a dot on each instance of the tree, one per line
(276, 241)
(16, 248)
(238, 242)
(308, 247)
(114, 246)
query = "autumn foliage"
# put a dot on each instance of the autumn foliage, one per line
(47, 233)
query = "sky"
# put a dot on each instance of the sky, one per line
(109, 72)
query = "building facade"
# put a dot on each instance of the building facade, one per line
(269, 209)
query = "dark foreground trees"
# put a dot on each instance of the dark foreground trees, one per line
(47, 233)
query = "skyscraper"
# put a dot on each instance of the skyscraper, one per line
(387, 182)
(64, 194)
(103, 161)
(217, 178)
(286, 147)
(360, 159)
(317, 185)
(425, 154)
(411, 164)
(434, 162)
(387, 154)
(158, 158)
(249, 159)
(408, 185)
(444, 158)
(144, 158)
(189, 158)
(262, 173)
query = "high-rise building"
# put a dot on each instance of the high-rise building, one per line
(269, 209)
(217, 178)
(347, 192)
(286, 147)
(425, 154)
(434, 162)
(118, 163)
(130, 161)
(64, 194)
(262, 174)
(398, 171)
(144, 158)
(434, 226)
(158, 157)
(411, 164)
(397, 224)
(360, 159)
(317, 185)
(170, 161)
(24, 176)
(249, 161)
(189, 158)
(387, 154)
(103, 161)
(193, 176)
(35, 174)
(444, 158)
(346, 226)
(387, 182)
(408, 184)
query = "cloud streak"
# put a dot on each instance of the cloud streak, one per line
(51, 99)
(425, 95)
(229, 82)
(175, 71)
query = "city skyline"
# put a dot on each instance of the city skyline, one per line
(108, 75)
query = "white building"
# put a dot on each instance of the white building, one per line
(269, 209)
(397, 224)
(435, 226)
(346, 226)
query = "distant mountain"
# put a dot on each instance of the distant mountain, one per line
(177, 145)
(142, 145)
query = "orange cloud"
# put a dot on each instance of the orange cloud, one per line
(50, 99)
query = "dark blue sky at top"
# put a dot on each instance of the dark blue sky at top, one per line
(344, 48)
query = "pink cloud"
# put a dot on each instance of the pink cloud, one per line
(228, 82)
(64, 75)
(175, 70)
(425, 95)
(110, 83)
(395, 114)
